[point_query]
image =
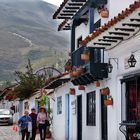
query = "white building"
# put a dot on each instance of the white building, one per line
(84, 116)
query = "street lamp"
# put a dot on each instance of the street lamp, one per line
(109, 67)
(132, 61)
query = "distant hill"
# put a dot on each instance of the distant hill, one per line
(27, 30)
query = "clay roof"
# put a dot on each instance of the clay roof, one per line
(129, 26)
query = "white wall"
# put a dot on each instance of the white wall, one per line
(59, 120)
(116, 6)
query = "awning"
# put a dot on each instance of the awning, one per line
(56, 83)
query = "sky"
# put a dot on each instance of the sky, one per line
(55, 2)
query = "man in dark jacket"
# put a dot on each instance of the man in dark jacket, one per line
(33, 115)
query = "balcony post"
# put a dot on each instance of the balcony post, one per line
(73, 37)
(91, 20)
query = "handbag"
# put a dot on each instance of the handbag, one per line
(47, 123)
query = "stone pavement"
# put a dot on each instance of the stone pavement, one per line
(7, 133)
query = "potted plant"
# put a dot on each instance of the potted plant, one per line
(104, 13)
(72, 91)
(105, 91)
(77, 71)
(68, 67)
(86, 55)
(108, 101)
(97, 84)
(81, 87)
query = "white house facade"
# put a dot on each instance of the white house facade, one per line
(104, 99)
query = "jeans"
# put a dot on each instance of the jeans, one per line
(33, 134)
(42, 131)
(25, 133)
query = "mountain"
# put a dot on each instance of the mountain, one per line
(27, 30)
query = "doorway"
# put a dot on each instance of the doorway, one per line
(103, 118)
(79, 117)
(67, 117)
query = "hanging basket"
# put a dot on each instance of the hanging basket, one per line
(97, 84)
(105, 91)
(104, 13)
(108, 102)
(80, 87)
(72, 91)
(85, 56)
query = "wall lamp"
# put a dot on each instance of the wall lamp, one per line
(110, 67)
(132, 61)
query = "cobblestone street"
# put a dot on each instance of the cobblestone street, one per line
(7, 133)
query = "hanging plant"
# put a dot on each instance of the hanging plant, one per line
(108, 101)
(105, 91)
(72, 91)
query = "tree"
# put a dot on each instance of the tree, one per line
(28, 82)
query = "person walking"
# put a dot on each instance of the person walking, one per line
(41, 119)
(33, 116)
(25, 125)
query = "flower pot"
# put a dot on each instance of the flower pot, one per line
(68, 68)
(108, 102)
(80, 87)
(104, 13)
(49, 134)
(85, 56)
(105, 91)
(73, 74)
(97, 84)
(72, 91)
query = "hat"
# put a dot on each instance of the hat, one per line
(42, 108)
(33, 108)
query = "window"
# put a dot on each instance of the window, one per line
(78, 42)
(97, 56)
(59, 105)
(26, 106)
(91, 109)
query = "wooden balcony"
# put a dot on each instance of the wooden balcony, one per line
(95, 68)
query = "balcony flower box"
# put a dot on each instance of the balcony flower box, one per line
(81, 87)
(72, 91)
(104, 13)
(105, 91)
(108, 102)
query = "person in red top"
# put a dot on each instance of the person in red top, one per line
(33, 115)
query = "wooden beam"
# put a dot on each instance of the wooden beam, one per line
(69, 11)
(72, 8)
(113, 37)
(108, 40)
(125, 29)
(119, 33)
(67, 14)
